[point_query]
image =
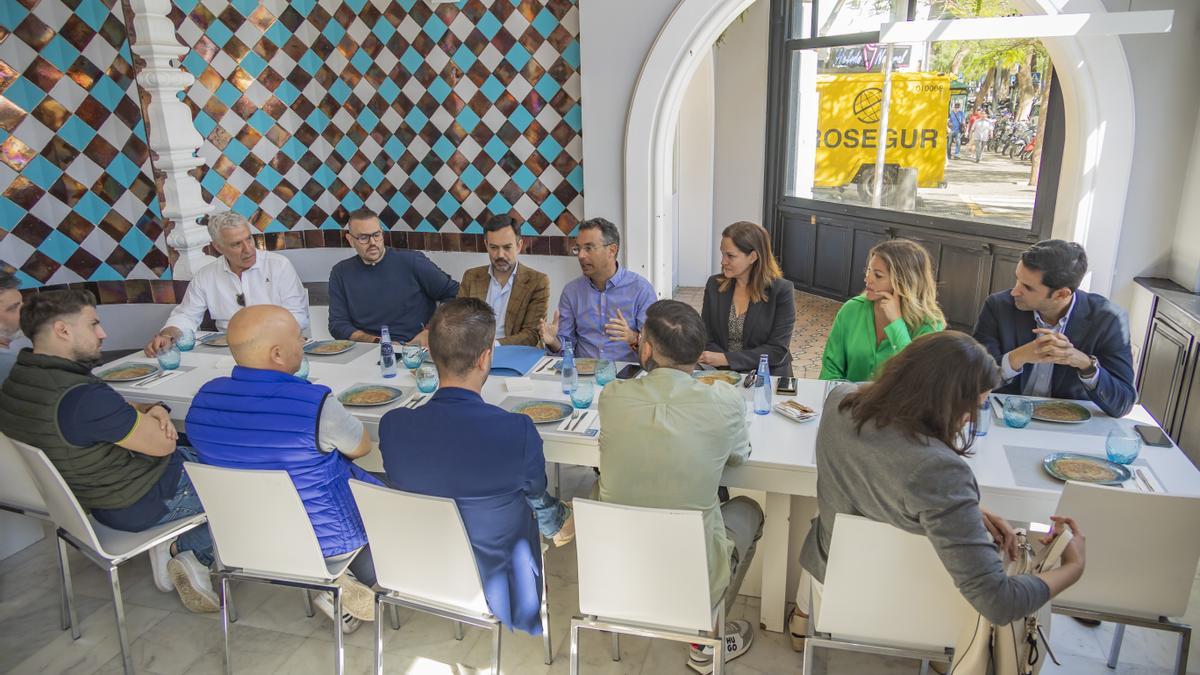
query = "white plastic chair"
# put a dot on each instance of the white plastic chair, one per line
(19, 494)
(263, 534)
(1142, 551)
(644, 572)
(424, 561)
(318, 322)
(105, 547)
(886, 592)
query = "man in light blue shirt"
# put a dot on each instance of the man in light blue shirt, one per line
(601, 312)
(11, 340)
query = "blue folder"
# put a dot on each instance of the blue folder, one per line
(514, 360)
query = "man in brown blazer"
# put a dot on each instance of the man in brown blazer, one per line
(517, 293)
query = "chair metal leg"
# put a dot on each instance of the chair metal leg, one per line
(308, 606)
(395, 617)
(339, 650)
(227, 599)
(808, 656)
(1181, 656)
(379, 634)
(547, 643)
(119, 607)
(573, 658)
(557, 480)
(496, 629)
(64, 569)
(719, 648)
(924, 667)
(1114, 651)
(225, 621)
(458, 630)
(616, 646)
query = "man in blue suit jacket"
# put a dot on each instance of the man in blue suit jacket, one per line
(487, 459)
(1052, 339)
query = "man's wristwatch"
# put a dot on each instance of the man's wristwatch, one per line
(1091, 370)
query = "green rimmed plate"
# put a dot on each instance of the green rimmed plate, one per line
(1085, 468)
(129, 373)
(713, 376)
(1061, 412)
(544, 412)
(328, 347)
(369, 395)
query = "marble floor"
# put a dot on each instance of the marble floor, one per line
(273, 635)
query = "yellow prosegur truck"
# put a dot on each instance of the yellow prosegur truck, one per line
(848, 130)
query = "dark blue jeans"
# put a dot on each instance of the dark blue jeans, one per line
(184, 504)
(550, 513)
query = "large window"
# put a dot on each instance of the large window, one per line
(968, 135)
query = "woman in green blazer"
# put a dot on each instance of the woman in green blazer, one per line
(898, 304)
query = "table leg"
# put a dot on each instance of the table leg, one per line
(773, 547)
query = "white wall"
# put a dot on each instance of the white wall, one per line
(1165, 70)
(1185, 255)
(741, 77)
(614, 38)
(694, 211)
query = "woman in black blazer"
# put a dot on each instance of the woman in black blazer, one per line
(749, 308)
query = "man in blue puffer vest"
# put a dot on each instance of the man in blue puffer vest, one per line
(263, 417)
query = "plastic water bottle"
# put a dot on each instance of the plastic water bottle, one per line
(984, 424)
(387, 354)
(570, 375)
(762, 387)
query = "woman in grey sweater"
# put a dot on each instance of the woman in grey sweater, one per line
(892, 451)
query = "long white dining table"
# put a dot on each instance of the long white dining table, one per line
(1006, 461)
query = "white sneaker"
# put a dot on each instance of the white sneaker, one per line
(324, 602)
(159, 557)
(739, 635)
(191, 580)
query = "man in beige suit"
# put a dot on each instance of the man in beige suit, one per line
(518, 294)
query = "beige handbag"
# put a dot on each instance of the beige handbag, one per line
(1019, 647)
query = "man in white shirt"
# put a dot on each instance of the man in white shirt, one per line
(241, 277)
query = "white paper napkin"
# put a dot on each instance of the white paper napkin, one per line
(581, 425)
(416, 400)
(155, 380)
(518, 385)
(544, 367)
(1136, 483)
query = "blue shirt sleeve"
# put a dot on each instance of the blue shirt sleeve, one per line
(95, 413)
(438, 285)
(534, 479)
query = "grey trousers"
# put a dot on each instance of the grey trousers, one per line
(743, 525)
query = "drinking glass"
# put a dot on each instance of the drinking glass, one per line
(1017, 411)
(168, 359)
(186, 340)
(302, 373)
(427, 378)
(606, 371)
(581, 395)
(412, 355)
(1123, 445)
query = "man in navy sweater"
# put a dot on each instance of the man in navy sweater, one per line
(381, 287)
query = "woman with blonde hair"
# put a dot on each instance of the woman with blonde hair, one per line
(898, 304)
(749, 308)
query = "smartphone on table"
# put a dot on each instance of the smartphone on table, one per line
(786, 386)
(1152, 435)
(629, 372)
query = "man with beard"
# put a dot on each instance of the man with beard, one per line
(518, 294)
(665, 440)
(11, 340)
(119, 459)
(241, 277)
(397, 288)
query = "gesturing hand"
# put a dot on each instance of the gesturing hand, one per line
(549, 331)
(890, 305)
(618, 328)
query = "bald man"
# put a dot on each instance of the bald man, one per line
(264, 417)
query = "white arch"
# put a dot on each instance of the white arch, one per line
(1097, 153)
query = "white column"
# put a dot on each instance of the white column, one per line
(172, 135)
